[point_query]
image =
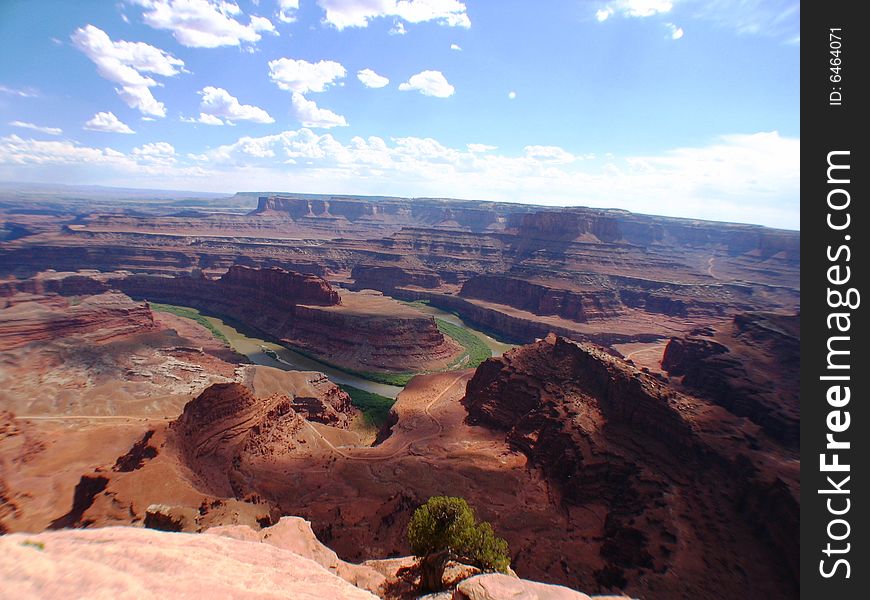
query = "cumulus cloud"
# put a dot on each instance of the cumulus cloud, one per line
(302, 76)
(156, 153)
(124, 63)
(219, 103)
(480, 147)
(429, 83)
(371, 79)
(107, 122)
(204, 23)
(456, 47)
(357, 13)
(287, 10)
(207, 119)
(674, 32)
(34, 127)
(553, 154)
(398, 28)
(310, 115)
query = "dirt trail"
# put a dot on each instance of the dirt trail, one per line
(372, 454)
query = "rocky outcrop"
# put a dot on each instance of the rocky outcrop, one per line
(227, 425)
(278, 286)
(132, 562)
(295, 535)
(670, 474)
(750, 367)
(495, 586)
(27, 319)
(580, 306)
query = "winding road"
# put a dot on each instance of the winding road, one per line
(370, 456)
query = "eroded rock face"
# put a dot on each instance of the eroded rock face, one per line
(750, 366)
(28, 319)
(133, 562)
(227, 426)
(684, 488)
(544, 300)
(268, 286)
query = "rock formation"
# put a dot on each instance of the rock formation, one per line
(363, 331)
(27, 319)
(750, 366)
(687, 492)
(132, 562)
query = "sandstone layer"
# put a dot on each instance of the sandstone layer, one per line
(585, 273)
(362, 331)
(124, 562)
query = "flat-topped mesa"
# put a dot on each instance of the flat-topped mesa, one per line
(619, 226)
(391, 212)
(276, 284)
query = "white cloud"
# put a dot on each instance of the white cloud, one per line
(553, 154)
(751, 178)
(398, 28)
(208, 119)
(107, 122)
(287, 10)
(456, 47)
(217, 102)
(124, 62)
(512, 95)
(156, 153)
(203, 23)
(429, 83)
(358, 13)
(310, 115)
(371, 79)
(302, 76)
(25, 92)
(634, 8)
(773, 18)
(674, 32)
(480, 147)
(603, 14)
(17, 151)
(34, 127)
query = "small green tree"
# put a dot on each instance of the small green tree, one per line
(445, 529)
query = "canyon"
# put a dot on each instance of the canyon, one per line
(641, 438)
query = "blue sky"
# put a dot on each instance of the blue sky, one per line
(678, 107)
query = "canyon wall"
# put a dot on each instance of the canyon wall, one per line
(674, 478)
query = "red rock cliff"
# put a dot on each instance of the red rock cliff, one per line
(672, 477)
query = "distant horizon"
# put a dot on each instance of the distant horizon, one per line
(675, 107)
(181, 194)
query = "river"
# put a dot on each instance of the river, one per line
(270, 354)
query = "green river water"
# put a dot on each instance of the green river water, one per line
(270, 354)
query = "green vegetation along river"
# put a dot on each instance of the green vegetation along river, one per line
(478, 347)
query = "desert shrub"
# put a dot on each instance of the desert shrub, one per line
(445, 529)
